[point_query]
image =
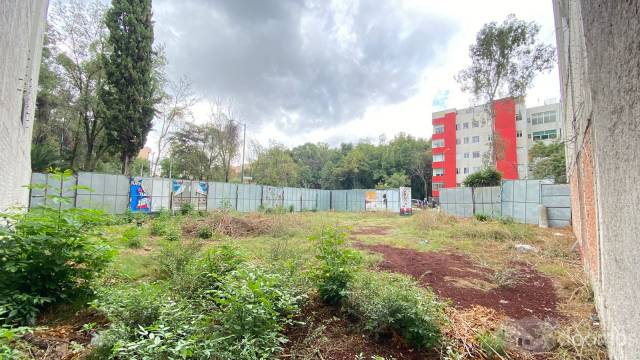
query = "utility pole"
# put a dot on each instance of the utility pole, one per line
(244, 140)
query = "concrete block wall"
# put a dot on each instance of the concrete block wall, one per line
(599, 62)
(22, 25)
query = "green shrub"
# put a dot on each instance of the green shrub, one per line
(482, 178)
(131, 237)
(389, 304)
(481, 217)
(337, 264)
(48, 256)
(291, 208)
(172, 233)
(493, 344)
(186, 208)
(157, 228)
(205, 233)
(8, 335)
(174, 257)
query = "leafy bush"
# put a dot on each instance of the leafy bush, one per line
(48, 256)
(482, 178)
(205, 233)
(337, 265)
(157, 228)
(186, 208)
(172, 233)
(493, 344)
(7, 336)
(131, 237)
(481, 217)
(174, 257)
(389, 304)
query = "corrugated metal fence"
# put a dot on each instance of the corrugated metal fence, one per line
(112, 194)
(517, 199)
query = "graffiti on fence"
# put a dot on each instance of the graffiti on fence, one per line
(139, 200)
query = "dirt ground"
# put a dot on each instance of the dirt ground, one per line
(456, 277)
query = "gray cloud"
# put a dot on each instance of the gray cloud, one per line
(299, 63)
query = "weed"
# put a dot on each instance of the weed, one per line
(493, 344)
(205, 233)
(174, 257)
(580, 341)
(157, 227)
(506, 277)
(388, 304)
(433, 219)
(172, 233)
(186, 209)
(337, 264)
(131, 237)
(481, 217)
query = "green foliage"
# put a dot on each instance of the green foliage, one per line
(209, 308)
(174, 257)
(337, 264)
(394, 181)
(48, 256)
(388, 304)
(157, 227)
(482, 217)
(128, 96)
(493, 344)
(275, 166)
(8, 335)
(186, 208)
(548, 161)
(172, 233)
(132, 237)
(482, 178)
(205, 233)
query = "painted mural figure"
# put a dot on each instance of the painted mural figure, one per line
(140, 201)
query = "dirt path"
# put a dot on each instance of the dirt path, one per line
(456, 277)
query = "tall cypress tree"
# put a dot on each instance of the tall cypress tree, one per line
(128, 96)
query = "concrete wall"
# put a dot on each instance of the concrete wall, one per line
(22, 25)
(599, 58)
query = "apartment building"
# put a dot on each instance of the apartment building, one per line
(462, 139)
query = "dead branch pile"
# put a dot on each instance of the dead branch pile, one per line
(233, 225)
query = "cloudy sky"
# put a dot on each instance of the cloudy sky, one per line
(333, 71)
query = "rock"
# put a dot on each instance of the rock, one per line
(424, 242)
(525, 248)
(504, 302)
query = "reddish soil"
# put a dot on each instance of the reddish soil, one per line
(455, 277)
(327, 333)
(371, 230)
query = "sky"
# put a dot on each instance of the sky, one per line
(334, 71)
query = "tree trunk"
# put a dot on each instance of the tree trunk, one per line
(125, 165)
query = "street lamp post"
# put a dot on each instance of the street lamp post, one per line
(244, 140)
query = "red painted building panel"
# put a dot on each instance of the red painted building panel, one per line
(449, 151)
(505, 138)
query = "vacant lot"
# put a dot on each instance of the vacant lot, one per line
(328, 286)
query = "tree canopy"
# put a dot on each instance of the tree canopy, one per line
(482, 178)
(548, 161)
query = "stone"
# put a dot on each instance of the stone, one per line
(524, 248)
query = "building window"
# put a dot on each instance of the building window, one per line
(466, 170)
(438, 171)
(476, 154)
(457, 141)
(475, 169)
(466, 140)
(438, 129)
(457, 170)
(465, 125)
(489, 137)
(437, 143)
(437, 185)
(518, 117)
(544, 135)
(475, 124)
(466, 155)
(457, 127)
(518, 133)
(476, 139)
(438, 157)
(543, 117)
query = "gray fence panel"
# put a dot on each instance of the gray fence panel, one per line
(324, 200)
(559, 214)
(249, 196)
(272, 197)
(556, 189)
(339, 200)
(556, 201)
(559, 223)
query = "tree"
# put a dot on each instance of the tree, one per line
(192, 154)
(482, 178)
(128, 95)
(275, 166)
(394, 181)
(504, 60)
(72, 73)
(422, 170)
(224, 131)
(548, 161)
(311, 158)
(174, 108)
